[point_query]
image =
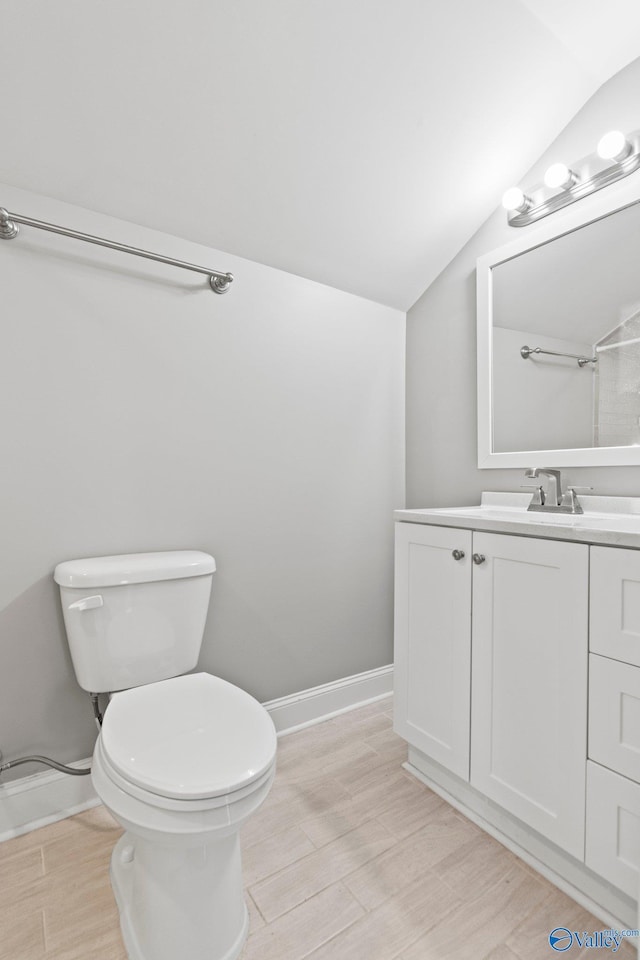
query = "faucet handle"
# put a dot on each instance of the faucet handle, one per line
(538, 498)
(570, 500)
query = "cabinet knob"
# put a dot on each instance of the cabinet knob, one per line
(479, 558)
(457, 554)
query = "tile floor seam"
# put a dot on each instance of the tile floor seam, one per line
(45, 936)
(325, 846)
(408, 946)
(248, 893)
(355, 895)
(318, 946)
(419, 934)
(421, 877)
(335, 936)
(338, 933)
(338, 878)
(296, 906)
(340, 836)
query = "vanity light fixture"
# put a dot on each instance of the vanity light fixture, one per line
(614, 146)
(560, 177)
(515, 199)
(616, 157)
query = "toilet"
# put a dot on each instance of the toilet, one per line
(181, 762)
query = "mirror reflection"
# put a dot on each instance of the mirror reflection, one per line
(576, 295)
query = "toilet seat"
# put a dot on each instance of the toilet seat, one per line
(220, 808)
(190, 738)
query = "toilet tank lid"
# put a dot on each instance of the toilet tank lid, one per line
(133, 568)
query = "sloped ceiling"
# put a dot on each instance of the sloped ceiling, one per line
(359, 143)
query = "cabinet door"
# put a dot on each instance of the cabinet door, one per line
(529, 691)
(432, 642)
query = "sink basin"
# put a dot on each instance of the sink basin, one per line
(596, 520)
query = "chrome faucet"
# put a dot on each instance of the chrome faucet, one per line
(553, 496)
(554, 499)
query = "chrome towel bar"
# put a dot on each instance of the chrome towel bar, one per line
(525, 353)
(219, 282)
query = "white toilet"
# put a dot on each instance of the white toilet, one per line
(181, 761)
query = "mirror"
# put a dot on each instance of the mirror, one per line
(559, 345)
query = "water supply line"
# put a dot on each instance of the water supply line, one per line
(47, 761)
(74, 771)
(96, 710)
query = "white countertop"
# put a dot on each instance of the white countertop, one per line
(613, 521)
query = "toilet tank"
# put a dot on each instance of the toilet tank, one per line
(135, 618)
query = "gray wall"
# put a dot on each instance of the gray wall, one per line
(441, 340)
(140, 411)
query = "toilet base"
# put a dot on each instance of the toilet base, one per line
(179, 903)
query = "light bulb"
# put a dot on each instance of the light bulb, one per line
(614, 146)
(514, 200)
(559, 176)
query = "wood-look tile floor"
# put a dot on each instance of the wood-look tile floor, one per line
(350, 858)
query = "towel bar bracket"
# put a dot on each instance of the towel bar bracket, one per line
(8, 229)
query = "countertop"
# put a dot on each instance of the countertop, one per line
(611, 521)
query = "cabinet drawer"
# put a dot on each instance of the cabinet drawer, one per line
(615, 603)
(614, 715)
(613, 828)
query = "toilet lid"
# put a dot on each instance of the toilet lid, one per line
(189, 737)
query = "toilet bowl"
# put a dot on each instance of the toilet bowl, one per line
(181, 764)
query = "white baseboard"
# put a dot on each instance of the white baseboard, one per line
(311, 706)
(43, 798)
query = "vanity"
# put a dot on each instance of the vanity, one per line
(517, 621)
(517, 680)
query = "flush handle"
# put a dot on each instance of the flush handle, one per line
(457, 554)
(479, 558)
(87, 603)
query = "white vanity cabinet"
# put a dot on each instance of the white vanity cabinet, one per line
(516, 668)
(517, 680)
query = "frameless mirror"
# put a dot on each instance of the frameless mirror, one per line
(559, 347)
